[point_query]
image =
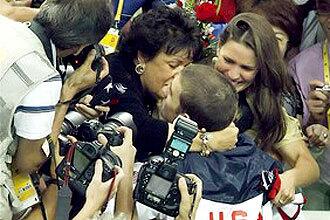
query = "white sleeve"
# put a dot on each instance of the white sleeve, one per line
(34, 116)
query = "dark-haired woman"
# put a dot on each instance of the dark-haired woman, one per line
(159, 44)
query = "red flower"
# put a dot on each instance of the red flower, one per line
(206, 12)
(227, 11)
(179, 3)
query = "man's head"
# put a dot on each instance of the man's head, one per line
(75, 23)
(204, 94)
(323, 12)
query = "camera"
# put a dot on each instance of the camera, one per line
(325, 88)
(80, 170)
(89, 130)
(77, 60)
(157, 184)
(36, 3)
(77, 125)
(78, 165)
(71, 122)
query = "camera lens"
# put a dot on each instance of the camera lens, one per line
(71, 121)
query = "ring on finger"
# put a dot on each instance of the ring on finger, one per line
(325, 135)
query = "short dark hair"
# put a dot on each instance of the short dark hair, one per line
(162, 29)
(71, 23)
(207, 97)
(283, 14)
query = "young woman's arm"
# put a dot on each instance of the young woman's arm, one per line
(304, 171)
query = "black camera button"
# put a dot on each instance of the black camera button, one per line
(88, 174)
(84, 181)
(153, 198)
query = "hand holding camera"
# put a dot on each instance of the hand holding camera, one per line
(157, 185)
(318, 100)
(126, 152)
(189, 203)
(85, 77)
(89, 111)
(78, 165)
(98, 191)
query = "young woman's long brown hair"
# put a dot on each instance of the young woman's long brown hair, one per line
(271, 79)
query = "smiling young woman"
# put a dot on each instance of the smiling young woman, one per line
(250, 58)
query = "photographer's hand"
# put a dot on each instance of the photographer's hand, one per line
(84, 77)
(126, 152)
(84, 108)
(97, 191)
(21, 3)
(317, 102)
(189, 204)
(318, 135)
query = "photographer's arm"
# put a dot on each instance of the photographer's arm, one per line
(29, 155)
(81, 79)
(49, 198)
(17, 13)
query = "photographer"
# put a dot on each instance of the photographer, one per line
(32, 95)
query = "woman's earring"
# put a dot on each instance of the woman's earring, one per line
(139, 69)
(215, 60)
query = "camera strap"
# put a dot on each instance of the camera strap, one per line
(35, 179)
(110, 190)
(111, 39)
(192, 206)
(326, 73)
(39, 30)
(68, 160)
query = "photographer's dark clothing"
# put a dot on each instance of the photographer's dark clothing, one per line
(292, 101)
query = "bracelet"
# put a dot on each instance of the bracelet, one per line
(205, 149)
(66, 102)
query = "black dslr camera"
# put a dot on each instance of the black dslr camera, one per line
(157, 184)
(77, 60)
(36, 3)
(76, 124)
(80, 170)
(78, 165)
